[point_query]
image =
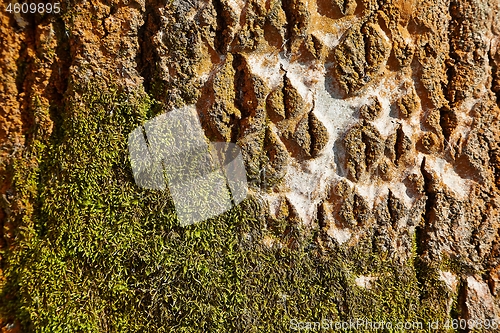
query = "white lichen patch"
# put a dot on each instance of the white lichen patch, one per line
(445, 172)
(365, 281)
(274, 202)
(385, 124)
(374, 193)
(479, 287)
(308, 181)
(302, 77)
(237, 6)
(340, 235)
(270, 242)
(479, 301)
(449, 279)
(267, 67)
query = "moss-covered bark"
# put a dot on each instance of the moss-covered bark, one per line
(370, 133)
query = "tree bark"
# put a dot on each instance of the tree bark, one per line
(369, 129)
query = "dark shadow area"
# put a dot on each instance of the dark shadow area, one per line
(337, 9)
(333, 87)
(339, 156)
(147, 57)
(394, 111)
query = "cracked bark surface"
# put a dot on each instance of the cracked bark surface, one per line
(364, 122)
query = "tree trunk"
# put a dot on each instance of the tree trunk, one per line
(370, 136)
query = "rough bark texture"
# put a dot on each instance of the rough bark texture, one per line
(370, 132)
